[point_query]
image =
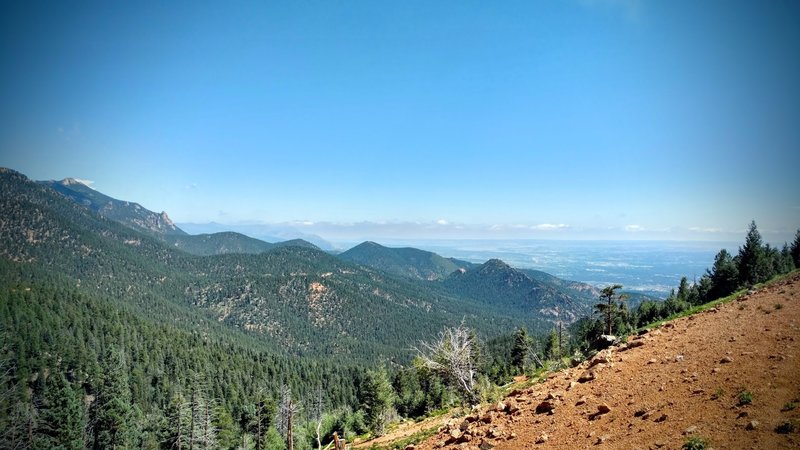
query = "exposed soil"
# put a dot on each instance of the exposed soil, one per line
(680, 380)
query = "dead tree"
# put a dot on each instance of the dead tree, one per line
(452, 356)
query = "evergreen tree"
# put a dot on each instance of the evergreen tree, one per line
(753, 262)
(724, 276)
(795, 249)
(62, 416)
(551, 345)
(378, 398)
(609, 308)
(113, 418)
(522, 346)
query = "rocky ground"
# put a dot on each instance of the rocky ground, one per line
(688, 378)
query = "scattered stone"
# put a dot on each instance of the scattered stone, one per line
(602, 439)
(581, 401)
(715, 370)
(542, 438)
(698, 391)
(410, 447)
(572, 384)
(599, 359)
(589, 375)
(512, 407)
(602, 408)
(463, 425)
(678, 358)
(633, 344)
(545, 407)
(485, 445)
(691, 430)
(500, 406)
(652, 361)
(662, 418)
(487, 418)
(752, 425)
(742, 414)
(640, 412)
(726, 359)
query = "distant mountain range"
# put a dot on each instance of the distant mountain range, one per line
(368, 302)
(159, 225)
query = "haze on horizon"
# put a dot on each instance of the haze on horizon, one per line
(581, 119)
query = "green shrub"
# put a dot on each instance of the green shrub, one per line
(695, 443)
(745, 398)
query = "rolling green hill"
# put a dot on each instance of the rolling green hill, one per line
(405, 262)
(527, 293)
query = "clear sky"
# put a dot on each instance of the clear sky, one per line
(553, 119)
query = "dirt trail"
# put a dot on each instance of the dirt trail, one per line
(680, 380)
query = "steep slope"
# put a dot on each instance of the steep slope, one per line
(127, 213)
(405, 262)
(679, 381)
(505, 288)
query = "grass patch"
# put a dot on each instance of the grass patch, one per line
(718, 394)
(745, 398)
(415, 438)
(790, 406)
(695, 443)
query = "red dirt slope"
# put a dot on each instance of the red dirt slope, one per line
(680, 380)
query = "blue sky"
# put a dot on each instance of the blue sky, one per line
(555, 119)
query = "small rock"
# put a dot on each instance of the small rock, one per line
(581, 401)
(542, 438)
(640, 412)
(602, 439)
(678, 358)
(485, 445)
(410, 447)
(634, 344)
(544, 407)
(602, 408)
(726, 359)
(487, 418)
(464, 425)
(652, 361)
(662, 418)
(572, 384)
(690, 430)
(752, 425)
(742, 414)
(500, 406)
(587, 376)
(715, 370)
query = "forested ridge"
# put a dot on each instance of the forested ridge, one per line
(110, 338)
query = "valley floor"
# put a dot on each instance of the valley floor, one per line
(679, 380)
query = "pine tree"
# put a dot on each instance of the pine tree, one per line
(113, 418)
(62, 416)
(608, 308)
(378, 398)
(522, 346)
(551, 345)
(753, 262)
(795, 249)
(724, 276)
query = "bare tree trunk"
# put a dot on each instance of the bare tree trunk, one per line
(289, 440)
